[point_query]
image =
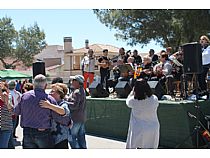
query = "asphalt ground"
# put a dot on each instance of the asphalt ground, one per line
(93, 142)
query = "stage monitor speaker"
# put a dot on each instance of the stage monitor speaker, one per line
(192, 58)
(157, 88)
(39, 68)
(123, 89)
(97, 90)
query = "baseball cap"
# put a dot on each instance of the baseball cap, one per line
(79, 78)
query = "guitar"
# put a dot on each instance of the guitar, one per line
(206, 135)
(159, 71)
(104, 64)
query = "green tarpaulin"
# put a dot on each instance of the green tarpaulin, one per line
(9, 74)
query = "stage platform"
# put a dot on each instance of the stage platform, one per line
(109, 117)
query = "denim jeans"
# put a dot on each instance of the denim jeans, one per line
(78, 136)
(4, 138)
(11, 144)
(34, 139)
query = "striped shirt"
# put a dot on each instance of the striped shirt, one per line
(34, 116)
(5, 118)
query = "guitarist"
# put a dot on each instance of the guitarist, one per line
(163, 72)
(104, 63)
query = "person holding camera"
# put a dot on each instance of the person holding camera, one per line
(143, 132)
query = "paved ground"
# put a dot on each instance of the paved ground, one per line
(92, 142)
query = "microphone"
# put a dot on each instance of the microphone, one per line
(191, 115)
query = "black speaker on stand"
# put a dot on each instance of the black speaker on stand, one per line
(97, 90)
(123, 89)
(157, 88)
(39, 68)
(192, 58)
(193, 65)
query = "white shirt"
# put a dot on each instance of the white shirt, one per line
(16, 97)
(144, 126)
(206, 56)
(167, 67)
(89, 64)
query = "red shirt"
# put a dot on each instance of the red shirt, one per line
(1, 103)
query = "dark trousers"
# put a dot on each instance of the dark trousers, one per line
(35, 139)
(62, 145)
(15, 125)
(202, 78)
(105, 74)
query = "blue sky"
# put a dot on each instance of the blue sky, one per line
(80, 24)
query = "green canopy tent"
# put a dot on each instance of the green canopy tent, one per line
(9, 74)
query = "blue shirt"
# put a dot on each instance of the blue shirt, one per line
(34, 116)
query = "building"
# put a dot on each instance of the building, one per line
(52, 55)
(65, 61)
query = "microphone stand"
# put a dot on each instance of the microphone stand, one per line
(198, 125)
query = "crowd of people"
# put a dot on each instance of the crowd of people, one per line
(53, 120)
(57, 120)
(164, 67)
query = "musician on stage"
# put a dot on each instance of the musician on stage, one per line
(104, 62)
(122, 55)
(177, 64)
(153, 56)
(146, 68)
(125, 70)
(205, 43)
(137, 58)
(178, 74)
(163, 73)
(89, 68)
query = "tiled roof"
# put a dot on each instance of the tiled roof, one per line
(97, 48)
(52, 67)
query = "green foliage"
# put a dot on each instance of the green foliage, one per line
(7, 38)
(20, 45)
(167, 27)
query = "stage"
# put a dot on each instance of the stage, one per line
(109, 117)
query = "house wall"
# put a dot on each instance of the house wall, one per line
(52, 61)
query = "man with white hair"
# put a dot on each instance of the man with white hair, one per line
(77, 106)
(35, 120)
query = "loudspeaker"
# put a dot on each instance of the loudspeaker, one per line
(38, 68)
(123, 89)
(192, 58)
(97, 90)
(157, 88)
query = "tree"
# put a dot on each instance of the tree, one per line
(22, 45)
(8, 36)
(167, 27)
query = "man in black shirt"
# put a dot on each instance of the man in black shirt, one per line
(153, 56)
(104, 63)
(137, 58)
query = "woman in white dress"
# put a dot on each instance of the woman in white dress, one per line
(144, 126)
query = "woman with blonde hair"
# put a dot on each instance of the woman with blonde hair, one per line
(205, 43)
